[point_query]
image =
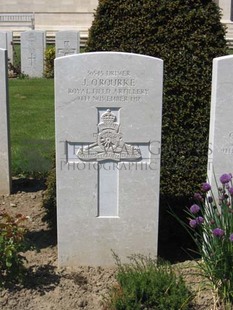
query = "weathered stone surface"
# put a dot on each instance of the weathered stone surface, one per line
(108, 135)
(67, 43)
(221, 126)
(5, 176)
(32, 53)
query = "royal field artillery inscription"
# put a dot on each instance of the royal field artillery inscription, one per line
(108, 135)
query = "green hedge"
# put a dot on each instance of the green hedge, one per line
(187, 35)
(50, 55)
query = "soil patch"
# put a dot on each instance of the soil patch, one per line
(48, 287)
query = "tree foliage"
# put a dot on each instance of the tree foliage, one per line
(187, 35)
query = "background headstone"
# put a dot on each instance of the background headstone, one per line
(32, 53)
(108, 134)
(5, 177)
(6, 39)
(10, 45)
(67, 43)
(3, 40)
(220, 157)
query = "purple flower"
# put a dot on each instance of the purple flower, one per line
(231, 237)
(218, 232)
(205, 187)
(193, 223)
(230, 191)
(194, 209)
(199, 220)
(225, 178)
(198, 197)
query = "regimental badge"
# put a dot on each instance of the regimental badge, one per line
(109, 144)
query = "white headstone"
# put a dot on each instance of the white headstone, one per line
(5, 177)
(32, 53)
(10, 46)
(220, 157)
(108, 134)
(3, 40)
(6, 39)
(67, 43)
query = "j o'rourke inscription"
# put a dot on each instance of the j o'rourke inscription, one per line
(110, 86)
(115, 82)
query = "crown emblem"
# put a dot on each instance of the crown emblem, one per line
(108, 121)
(108, 116)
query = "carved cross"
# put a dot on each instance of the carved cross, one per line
(109, 152)
(32, 58)
(66, 50)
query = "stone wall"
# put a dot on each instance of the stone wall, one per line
(52, 16)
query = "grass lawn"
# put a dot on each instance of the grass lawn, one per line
(31, 125)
